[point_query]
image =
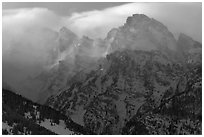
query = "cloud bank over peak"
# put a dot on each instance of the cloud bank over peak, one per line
(30, 35)
(176, 16)
(27, 17)
(27, 42)
(97, 23)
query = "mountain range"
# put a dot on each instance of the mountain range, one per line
(137, 80)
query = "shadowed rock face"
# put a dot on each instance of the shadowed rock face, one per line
(127, 84)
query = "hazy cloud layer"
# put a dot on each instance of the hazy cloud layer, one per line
(27, 43)
(30, 38)
(178, 17)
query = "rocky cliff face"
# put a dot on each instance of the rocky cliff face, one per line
(112, 95)
(138, 33)
(73, 55)
(190, 49)
(138, 76)
(147, 77)
(141, 33)
(179, 113)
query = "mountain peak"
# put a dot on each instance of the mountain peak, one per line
(186, 42)
(184, 36)
(191, 49)
(142, 33)
(66, 32)
(135, 18)
(112, 33)
(142, 20)
(66, 38)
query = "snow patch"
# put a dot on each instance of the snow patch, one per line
(27, 115)
(6, 127)
(58, 129)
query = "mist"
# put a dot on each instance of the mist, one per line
(28, 42)
(30, 35)
(178, 17)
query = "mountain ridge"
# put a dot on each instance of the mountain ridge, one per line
(139, 76)
(129, 78)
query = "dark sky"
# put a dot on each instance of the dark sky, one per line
(63, 8)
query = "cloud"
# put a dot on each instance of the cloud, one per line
(97, 23)
(27, 26)
(37, 17)
(28, 42)
(30, 34)
(176, 16)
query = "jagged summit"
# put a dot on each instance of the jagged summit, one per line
(112, 33)
(66, 38)
(182, 35)
(141, 33)
(190, 49)
(138, 80)
(143, 19)
(66, 31)
(186, 43)
(137, 18)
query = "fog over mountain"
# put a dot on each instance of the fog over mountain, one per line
(33, 43)
(110, 69)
